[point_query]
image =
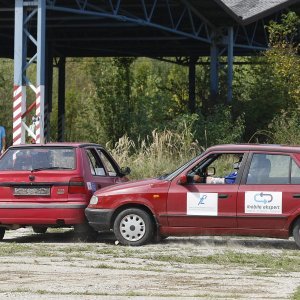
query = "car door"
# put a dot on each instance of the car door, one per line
(203, 205)
(101, 171)
(269, 192)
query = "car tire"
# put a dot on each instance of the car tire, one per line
(2, 233)
(39, 229)
(296, 232)
(133, 227)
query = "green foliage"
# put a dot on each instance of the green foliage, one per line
(156, 154)
(218, 127)
(285, 128)
(272, 84)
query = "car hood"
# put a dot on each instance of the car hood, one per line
(130, 186)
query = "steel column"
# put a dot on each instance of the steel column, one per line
(214, 70)
(40, 74)
(19, 96)
(61, 99)
(48, 91)
(29, 12)
(192, 84)
(229, 64)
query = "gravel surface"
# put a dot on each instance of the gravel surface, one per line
(59, 265)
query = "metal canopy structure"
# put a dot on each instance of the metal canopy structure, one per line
(36, 31)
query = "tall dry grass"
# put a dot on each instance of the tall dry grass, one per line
(157, 154)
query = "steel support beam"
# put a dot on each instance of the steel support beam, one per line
(214, 71)
(187, 21)
(192, 84)
(19, 96)
(28, 12)
(40, 80)
(229, 64)
(48, 91)
(61, 100)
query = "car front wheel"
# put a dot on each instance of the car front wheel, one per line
(296, 232)
(133, 227)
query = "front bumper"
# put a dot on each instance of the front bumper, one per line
(99, 219)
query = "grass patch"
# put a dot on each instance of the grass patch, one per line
(283, 263)
(12, 249)
(296, 296)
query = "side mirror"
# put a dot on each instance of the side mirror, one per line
(125, 170)
(182, 180)
(211, 171)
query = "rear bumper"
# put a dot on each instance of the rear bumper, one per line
(42, 213)
(99, 219)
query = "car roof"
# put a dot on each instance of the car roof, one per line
(59, 144)
(255, 147)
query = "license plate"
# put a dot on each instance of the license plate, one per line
(32, 191)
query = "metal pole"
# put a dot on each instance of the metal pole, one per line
(61, 100)
(40, 91)
(48, 91)
(192, 84)
(230, 64)
(19, 95)
(214, 71)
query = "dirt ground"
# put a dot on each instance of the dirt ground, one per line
(57, 265)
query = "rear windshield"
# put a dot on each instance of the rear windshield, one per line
(38, 158)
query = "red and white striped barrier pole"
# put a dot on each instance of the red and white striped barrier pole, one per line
(17, 115)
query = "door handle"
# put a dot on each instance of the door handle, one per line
(296, 196)
(223, 196)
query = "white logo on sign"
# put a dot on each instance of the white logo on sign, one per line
(258, 202)
(202, 204)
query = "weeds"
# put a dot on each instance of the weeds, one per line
(158, 154)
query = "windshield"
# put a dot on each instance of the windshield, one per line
(38, 158)
(180, 169)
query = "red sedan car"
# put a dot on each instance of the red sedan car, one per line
(50, 185)
(228, 190)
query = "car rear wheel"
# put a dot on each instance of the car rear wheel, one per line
(39, 229)
(133, 227)
(2, 232)
(296, 232)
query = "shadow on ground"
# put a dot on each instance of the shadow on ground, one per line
(69, 236)
(61, 237)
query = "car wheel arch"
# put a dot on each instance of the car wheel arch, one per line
(134, 205)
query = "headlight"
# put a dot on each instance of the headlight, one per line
(94, 200)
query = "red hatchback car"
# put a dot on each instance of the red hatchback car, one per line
(50, 185)
(228, 190)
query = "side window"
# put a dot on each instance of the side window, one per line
(295, 173)
(110, 168)
(269, 169)
(217, 169)
(97, 168)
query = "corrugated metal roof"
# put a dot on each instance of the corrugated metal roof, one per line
(246, 10)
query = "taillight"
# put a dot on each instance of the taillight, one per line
(76, 186)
